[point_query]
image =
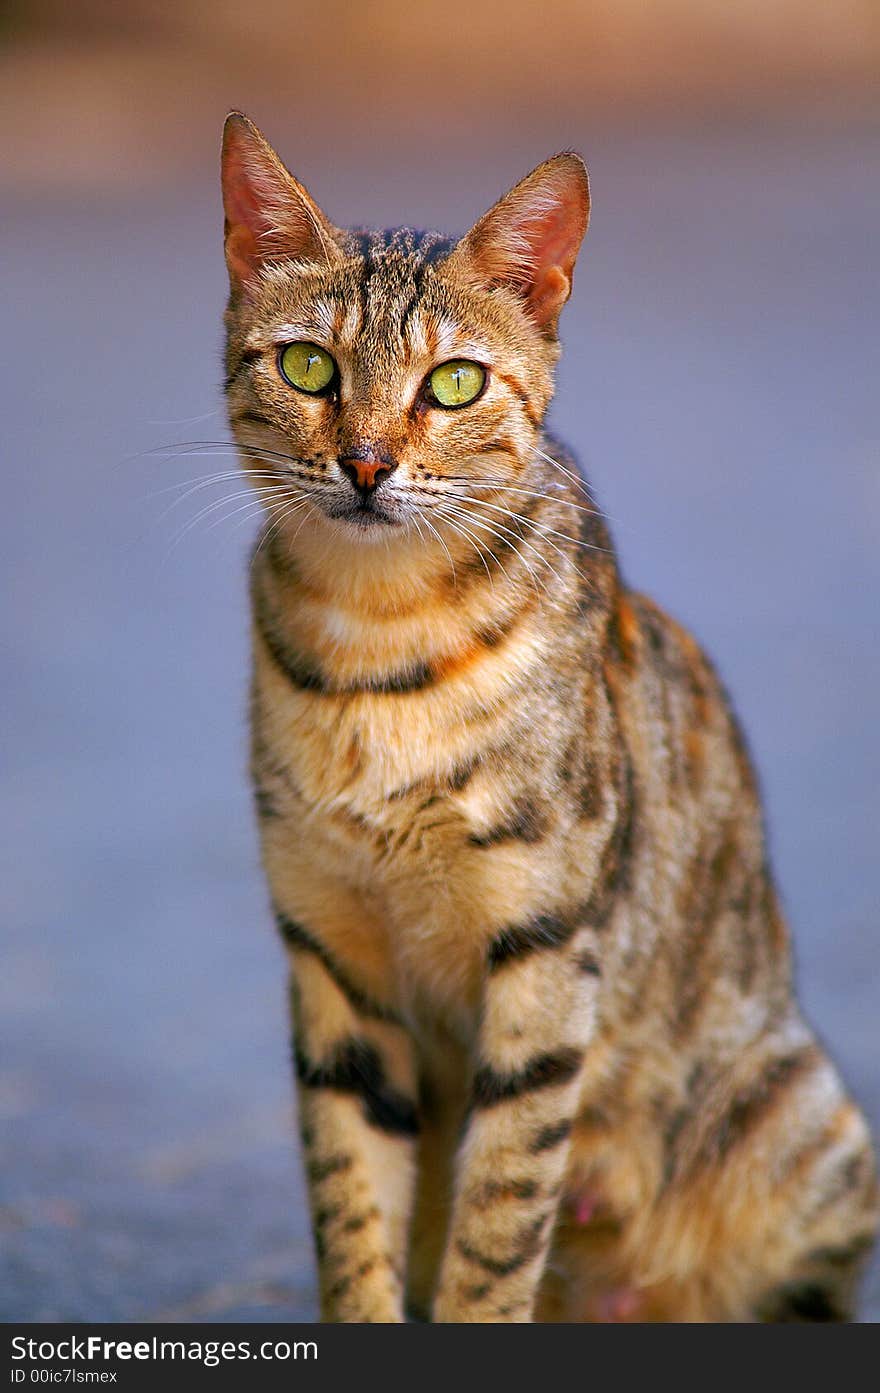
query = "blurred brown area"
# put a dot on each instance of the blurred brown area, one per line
(103, 94)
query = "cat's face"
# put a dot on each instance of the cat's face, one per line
(379, 380)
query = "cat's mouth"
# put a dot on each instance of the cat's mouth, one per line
(367, 515)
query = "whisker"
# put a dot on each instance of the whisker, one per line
(249, 493)
(573, 478)
(534, 578)
(494, 532)
(259, 505)
(176, 449)
(433, 529)
(540, 526)
(184, 447)
(271, 526)
(293, 466)
(213, 479)
(186, 420)
(253, 453)
(203, 480)
(284, 514)
(534, 550)
(254, 502)
(308, 514)
(459, 528)
(475, 482)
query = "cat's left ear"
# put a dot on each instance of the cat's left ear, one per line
(269, 216)
(529, 241)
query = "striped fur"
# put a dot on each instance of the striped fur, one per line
(548, 1058)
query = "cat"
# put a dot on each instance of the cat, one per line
(549, 1062)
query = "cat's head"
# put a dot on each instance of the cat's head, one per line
(376, 380)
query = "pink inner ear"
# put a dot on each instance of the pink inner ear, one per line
(548, 294)
(530, 239)
(269, 216)
(246, 219)
(558, 248)
(239, 196)
(553, 241)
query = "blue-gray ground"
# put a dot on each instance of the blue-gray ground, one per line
(720, 385)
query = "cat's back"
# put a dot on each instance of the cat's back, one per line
(704, 929)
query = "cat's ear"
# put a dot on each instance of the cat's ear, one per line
(269, 216)
(530, 239)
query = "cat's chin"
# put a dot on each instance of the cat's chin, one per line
(365, 524)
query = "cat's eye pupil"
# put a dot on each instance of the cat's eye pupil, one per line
(307, 367)
(456, 383)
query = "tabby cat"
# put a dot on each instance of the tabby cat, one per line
(549, 1062)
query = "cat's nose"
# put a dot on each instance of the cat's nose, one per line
(367, 471)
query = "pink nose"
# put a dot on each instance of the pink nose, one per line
(368, 473)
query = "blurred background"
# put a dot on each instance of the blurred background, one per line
(719, 384)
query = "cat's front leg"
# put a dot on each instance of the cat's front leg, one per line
(355, 1075)
(537, 1021)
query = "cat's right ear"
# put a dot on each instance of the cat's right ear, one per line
(269, 216)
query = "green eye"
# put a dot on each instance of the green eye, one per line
(457, 383)
(306, 366)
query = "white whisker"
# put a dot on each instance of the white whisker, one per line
(254, 501)
(534, 550)
(539, 526)
(274, 526)
(572, 478)
(481, 522)
(196, 487)
(203, 480)
(474, 481)
(459, 528)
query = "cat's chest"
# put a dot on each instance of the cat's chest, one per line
(401, 795)
(427, 813)
(400, 807)
(403, 779)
